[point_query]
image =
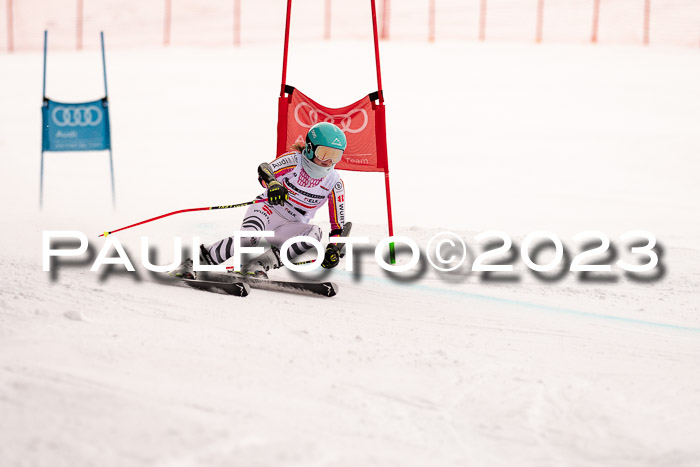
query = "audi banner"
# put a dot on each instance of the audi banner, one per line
(75, 127)
(362, 123)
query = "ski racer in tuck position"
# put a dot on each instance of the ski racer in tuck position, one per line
(298, 183)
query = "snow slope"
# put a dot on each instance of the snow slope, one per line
(115, 369)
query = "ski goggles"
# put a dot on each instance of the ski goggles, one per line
(325, 153)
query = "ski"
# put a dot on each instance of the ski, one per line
(324, 289)
(230, 281)
(230, 285)
(237, 288)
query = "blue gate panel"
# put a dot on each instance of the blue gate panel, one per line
(75, 127)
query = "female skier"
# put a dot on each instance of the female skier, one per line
(298, 184)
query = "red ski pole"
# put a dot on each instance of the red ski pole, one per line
(230, 206)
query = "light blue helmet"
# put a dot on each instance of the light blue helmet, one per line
(324, 134)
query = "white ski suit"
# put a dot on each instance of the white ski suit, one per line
(306, 196)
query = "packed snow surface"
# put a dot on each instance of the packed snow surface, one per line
(422, 368)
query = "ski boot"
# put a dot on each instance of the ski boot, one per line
(186, 269)
(258, 267)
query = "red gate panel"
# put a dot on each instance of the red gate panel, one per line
(363, 123)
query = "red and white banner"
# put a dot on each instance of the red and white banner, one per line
(362, 122)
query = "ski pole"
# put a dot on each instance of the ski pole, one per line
(230, 206)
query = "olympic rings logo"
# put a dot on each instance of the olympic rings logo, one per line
(83, 115)
(343, 121)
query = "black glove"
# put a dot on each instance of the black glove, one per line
(277, 193)
(332, 256)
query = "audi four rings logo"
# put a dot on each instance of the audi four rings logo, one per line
(84, 115)
(344, 121)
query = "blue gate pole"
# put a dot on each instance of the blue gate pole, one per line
(41, 182)
(111, 172)
(111, 163)
(46, 34)
(104, 64)
(43, 97)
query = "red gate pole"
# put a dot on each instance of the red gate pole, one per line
(376, 52)
(327, 21)
(166, 22)
(482, 21)
(540, 21)
(431, 21)
(236, 22)
(286, 47)
(392, 254)
(283, 100)
(647, 15)
(79, 25)
(596, 16)
(10, 31)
